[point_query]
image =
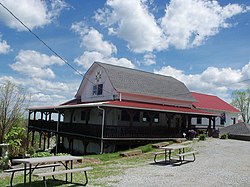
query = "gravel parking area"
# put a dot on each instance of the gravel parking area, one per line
(218, 163)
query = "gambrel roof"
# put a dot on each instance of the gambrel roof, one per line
(127, 80)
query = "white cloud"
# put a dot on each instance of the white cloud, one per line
(131, 21)
(96, 48)
(41, 92)
(35, 64)
(188, 23)
(87, 59)
(213, 80)
(33, 13)
(4, 46)
(149, 59)
(92, 40)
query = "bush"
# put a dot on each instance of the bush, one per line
(224, 136)
(41, 154)
(31, 150)
(146, 148)
(15, 139)
(202, 137)
(191, 134)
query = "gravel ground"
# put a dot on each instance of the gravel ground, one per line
(218, 163)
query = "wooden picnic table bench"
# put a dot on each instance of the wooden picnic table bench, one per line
(39, 161)
(67, 171)
(158, 153)
(182, 156)
(168, 152)
(14, 170)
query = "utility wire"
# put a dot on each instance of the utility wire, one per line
(44, 43)
(34, 34)
(77, 71)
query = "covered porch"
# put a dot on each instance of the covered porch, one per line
(116, 123)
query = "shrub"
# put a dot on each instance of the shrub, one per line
(202, 137)
(15, 139)
(41, 154)
(191, 134)
(224, 136)
(31, 150)
(146, 148)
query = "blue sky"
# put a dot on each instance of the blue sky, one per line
(203, 43)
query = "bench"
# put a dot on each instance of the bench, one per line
(182, 155)
(67, 171)
(158, 153)
(13, 170)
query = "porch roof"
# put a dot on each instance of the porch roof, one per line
(129, 105)
(157, 107)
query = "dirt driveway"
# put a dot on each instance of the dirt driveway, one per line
(219, 163)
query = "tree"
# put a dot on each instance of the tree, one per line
(241, 100)
(12, 107)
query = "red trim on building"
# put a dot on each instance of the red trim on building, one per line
(156, 107)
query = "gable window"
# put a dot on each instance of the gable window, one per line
(199, 119)
(97, 89)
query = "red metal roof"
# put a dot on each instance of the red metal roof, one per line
(212, 102)
(132, 105)
(156, 107)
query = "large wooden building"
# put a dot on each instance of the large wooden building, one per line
(117, 107)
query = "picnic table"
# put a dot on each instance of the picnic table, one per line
(30, 164)
(170, 148)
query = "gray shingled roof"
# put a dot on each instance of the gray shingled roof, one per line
(145, 83)
(239, 128)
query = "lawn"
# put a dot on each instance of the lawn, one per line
(104, 166)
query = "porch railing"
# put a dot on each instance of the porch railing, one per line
(109, 131)
(67, 128)
(140, 132)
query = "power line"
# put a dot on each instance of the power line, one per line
(53, 51)
(77, 71)
(44, 43)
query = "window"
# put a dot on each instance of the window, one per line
(199, 120)
(156, 118)
(125, 116)
(83, 115)
(97, 89)
(136, 116)
(222, 121)
(145, 117)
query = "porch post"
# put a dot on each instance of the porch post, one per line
(102, 133)
(40, 139)
(27, 146)
(213, 118)
(48, 140)
(209, 126)
(33, 137)
(44, 141)
(57, 129)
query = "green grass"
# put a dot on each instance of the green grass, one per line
(104, 166)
